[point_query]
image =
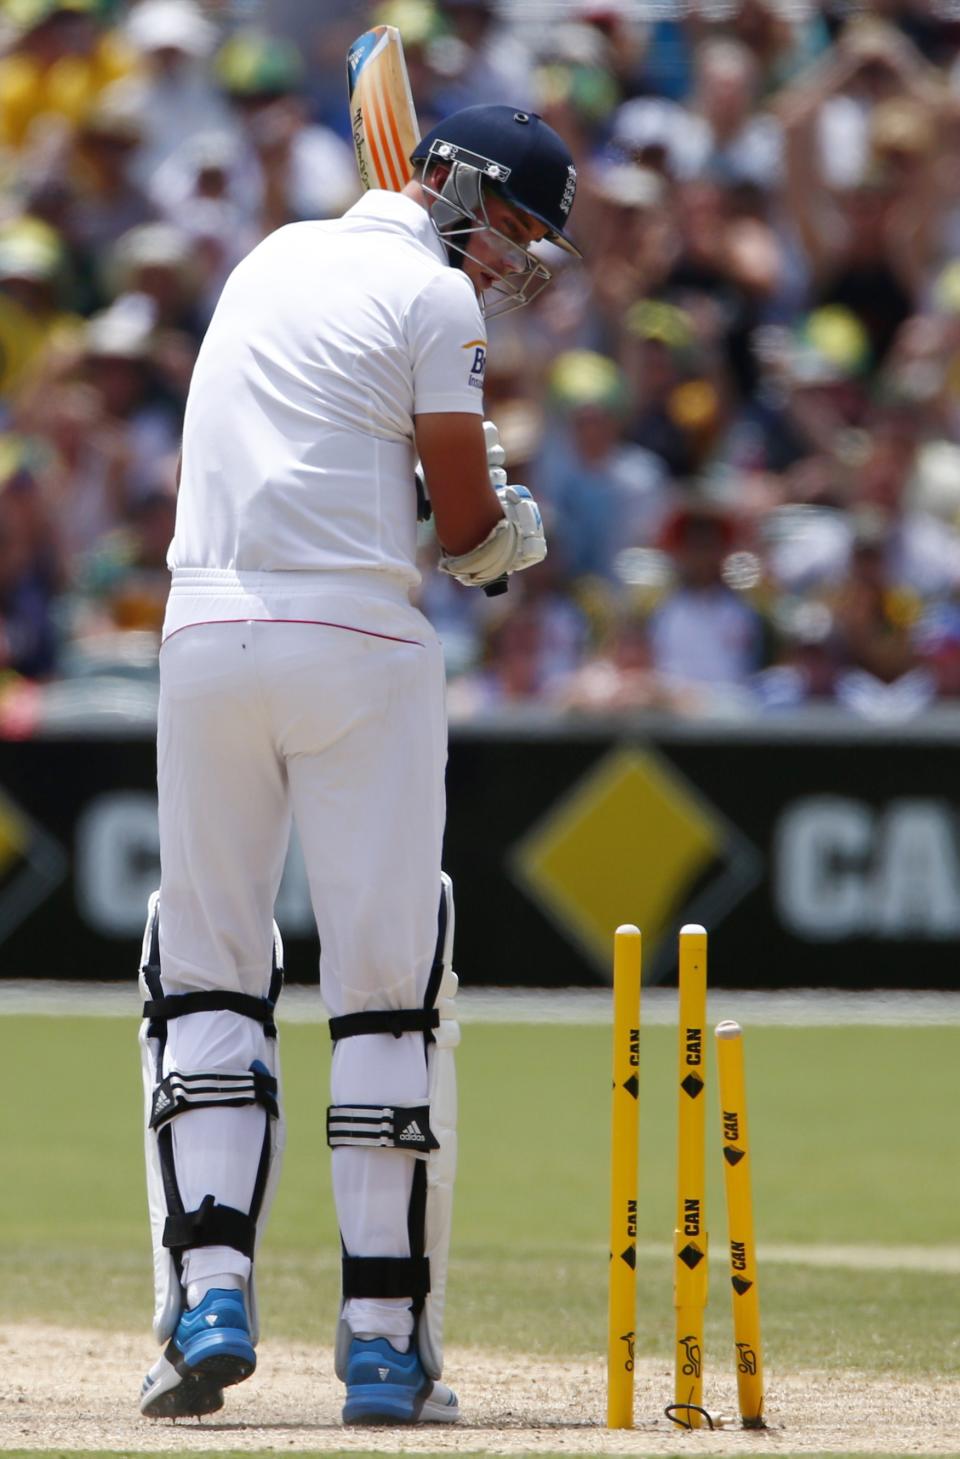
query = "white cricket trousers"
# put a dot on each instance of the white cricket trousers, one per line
(345, 731)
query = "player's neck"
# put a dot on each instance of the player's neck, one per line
(414, 190)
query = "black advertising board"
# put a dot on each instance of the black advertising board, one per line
(812, 860)
(815, 852)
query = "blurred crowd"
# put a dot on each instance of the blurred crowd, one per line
(740, 414)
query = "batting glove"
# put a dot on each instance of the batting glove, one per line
(516, 542)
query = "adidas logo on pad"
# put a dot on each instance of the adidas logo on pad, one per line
(412, 1132)
(211, 1319)
(384, 1374)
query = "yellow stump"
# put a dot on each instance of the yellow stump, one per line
(743, 1252)
(690, 1233)
(623, 1177)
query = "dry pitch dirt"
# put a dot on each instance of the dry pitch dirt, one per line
(68, 1389)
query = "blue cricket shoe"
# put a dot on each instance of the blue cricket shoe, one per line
(387, 1387)
(210, 1350)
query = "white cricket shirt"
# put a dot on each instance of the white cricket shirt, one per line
(298, 435)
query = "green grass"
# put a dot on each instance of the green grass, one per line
(854, 1142)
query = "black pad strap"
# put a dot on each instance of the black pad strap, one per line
(210, 1225)
(436, 967)
(386, 1276)
(385, 1020)
(417, 1220)
(180, 1091)
(176, 1005)
(398, 1127)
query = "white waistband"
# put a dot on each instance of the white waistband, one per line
(224, 582)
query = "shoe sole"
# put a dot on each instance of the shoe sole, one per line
(192, 1398)
(225, 1368)
(201, 1385)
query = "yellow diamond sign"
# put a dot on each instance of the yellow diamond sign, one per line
(627, 844)
(32, 864)
(14, 834)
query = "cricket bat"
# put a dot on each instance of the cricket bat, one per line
(383, 118)
(383, 121)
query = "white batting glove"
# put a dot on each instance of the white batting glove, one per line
(516, 542)
(496, 455)
(520, 508)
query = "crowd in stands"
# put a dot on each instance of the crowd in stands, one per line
(740, 414)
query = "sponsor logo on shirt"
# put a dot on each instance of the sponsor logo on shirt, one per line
(479, 361)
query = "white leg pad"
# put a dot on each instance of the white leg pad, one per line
(440, 1163)
(222, 1076)
(168, 1297)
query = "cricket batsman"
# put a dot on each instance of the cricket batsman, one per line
(299, 683)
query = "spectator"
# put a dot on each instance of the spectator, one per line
(488, 62)
(599, 492)
(736, 140)
(125, 583)
(29, 577)
(156, 262)
(921, 554)
(61, 58)
(703, 633)
(626, 213)
(830, 105)
(290, 169)
(873, 616)
(32, 290)
(574, 88)
(81, 465)
(624, 33)
(620, 676)
(782, 40)
(812, 396)
(527, 657)
(658, 134)
(119, 362)
(677, 406)
(106, 200)
(870, 239)
(720, 134)
(722, 273)
(200, 190)
(173, 87)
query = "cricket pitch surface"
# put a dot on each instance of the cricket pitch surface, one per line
(74, 1389)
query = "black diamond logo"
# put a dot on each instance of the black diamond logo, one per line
(740, 1285)
(632, 1085)
(732, 1155)
(691, 1256)
(692, 1085)
(630, 1257)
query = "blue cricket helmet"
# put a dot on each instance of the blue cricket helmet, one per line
(516, 152)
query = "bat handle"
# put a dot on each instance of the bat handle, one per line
(498, 586)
